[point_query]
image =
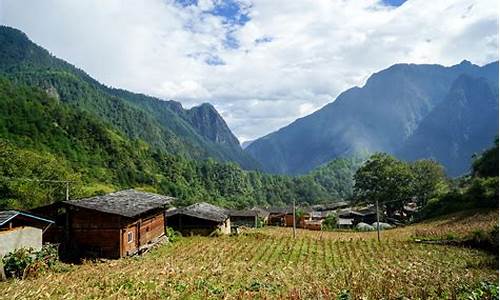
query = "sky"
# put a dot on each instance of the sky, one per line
(261, 63)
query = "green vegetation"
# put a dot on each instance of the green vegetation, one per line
(23, 262)
(269, 264)
(330, 222)
(395, 183)
(480, 190)
(57, 123)
(41, 138)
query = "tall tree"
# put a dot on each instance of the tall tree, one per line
(386, 179)
(429, 180)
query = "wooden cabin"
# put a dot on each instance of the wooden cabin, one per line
(109, 226)
(199, 219)
(277, 216)
(246, 218)
(21, 230)
(262, 214)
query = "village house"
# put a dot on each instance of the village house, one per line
(21, 230)
(262, 214)
(277, 216)
(344, 223)
(362, 215)
(246, 218)
(109, 226)
(199, 219)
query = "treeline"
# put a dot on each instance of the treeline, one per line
(45, 139)
(394, 184)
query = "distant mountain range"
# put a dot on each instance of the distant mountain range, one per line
(411, 111)
(196, 133)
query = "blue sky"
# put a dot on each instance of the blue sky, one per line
(394, 2)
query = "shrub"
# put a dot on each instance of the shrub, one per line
(486, 240)
(16, 262)
(26, 261)
(172, 235)
(330, 222)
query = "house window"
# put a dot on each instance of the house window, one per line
(130, 237)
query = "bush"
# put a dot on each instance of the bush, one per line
(26, 261)
(486, 240)
(172, 235)
(17, 262)
(330, 222)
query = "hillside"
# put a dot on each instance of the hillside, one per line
(468, 111)
(44, 138)
(269, 264)
(380, 116)
(164, 125)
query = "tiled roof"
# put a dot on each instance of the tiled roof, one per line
(128, 203)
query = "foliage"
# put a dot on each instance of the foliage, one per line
(486, 164)
(386, 179)
(330, 222)
(172, 235)
(429, 180)
(16, 262)
(484, 290)
(477, 191)
(26, 261)
(486, 240)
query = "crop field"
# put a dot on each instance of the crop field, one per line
(268, 264)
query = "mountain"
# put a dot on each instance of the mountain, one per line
(198, 133)
(245, 144)
(380, 116)
(461, 125)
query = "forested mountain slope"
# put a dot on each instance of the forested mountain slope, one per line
(42, 138)
(198, 133)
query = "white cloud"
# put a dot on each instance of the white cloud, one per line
(292, 58)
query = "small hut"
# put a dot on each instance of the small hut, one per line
(246, 218)
(109, 226)
(199, 219)
(21, 230)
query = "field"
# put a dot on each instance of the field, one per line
(269, 264)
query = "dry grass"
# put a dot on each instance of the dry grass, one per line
(269, 264)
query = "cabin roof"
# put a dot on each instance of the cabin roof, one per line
(243, 213)
(7, 215)
(262, 213)
(279, 210)
(201, 210)
(127, 203)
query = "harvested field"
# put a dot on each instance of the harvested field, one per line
(270, 264)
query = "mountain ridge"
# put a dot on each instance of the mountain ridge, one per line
(379, 116)
(163, 124)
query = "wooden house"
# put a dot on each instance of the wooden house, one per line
(262, 214)
(246, 218)
(21, 230)
(109, 226)
(277, 216)
(199, 219)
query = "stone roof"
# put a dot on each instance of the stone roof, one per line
(201, 210)
(7, 215)
(262, 213)
(127, 203)
(243, 213)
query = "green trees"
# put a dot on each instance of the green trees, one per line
(386, 179)
(429, 180)
(394, 183)
(486, 164)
